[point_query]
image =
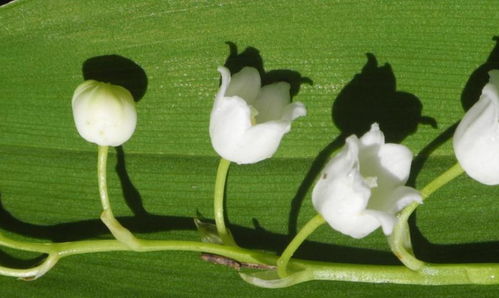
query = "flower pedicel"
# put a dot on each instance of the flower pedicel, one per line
(105, 114)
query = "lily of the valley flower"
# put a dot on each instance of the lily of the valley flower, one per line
(104, 113)
(362, 188)
(476, 140)
(248, 121)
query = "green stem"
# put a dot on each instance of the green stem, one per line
(223, 232)
(310, 226)
(119, 232)
(33, 272)
(26, 246)
(399, 240)
(441, 180)
(433, 274)
(102, 176)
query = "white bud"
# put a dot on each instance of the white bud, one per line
(104, 113)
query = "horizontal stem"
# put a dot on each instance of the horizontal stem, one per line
(432, 274)
(233, 252)
(25, 245)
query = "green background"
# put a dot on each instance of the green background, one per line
(437, 54)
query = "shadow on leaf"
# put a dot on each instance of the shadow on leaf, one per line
(251, 57)
(371, 96)
(117, 70)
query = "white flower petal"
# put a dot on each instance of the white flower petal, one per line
(373, 137)
(395, 200)
(225, 74)
(396, 160)
(343, 163)
(229, 121)
(390, 163)
(293, 111)
(383, 219)
(245, 84)
(405, 195)
(341, 194)
(260, 142)
(236, 139)
(271, 101)
(342, 201)
(384, 206)
(476, 140)
(356, 225)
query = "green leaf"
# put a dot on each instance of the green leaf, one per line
(427, 61)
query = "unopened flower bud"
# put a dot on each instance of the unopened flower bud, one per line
(104, 113)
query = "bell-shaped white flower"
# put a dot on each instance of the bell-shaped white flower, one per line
(476, 140)
(248, 121)
(363, 187)
(104, 113)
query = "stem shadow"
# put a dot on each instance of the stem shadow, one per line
(253, 238)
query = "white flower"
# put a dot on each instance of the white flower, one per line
(104, 113)
(248, 121)
(476, 140)
(362, 187)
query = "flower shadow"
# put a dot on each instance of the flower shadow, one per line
(117, 70)
(480, 77)
(371, 96)
(251, 57)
